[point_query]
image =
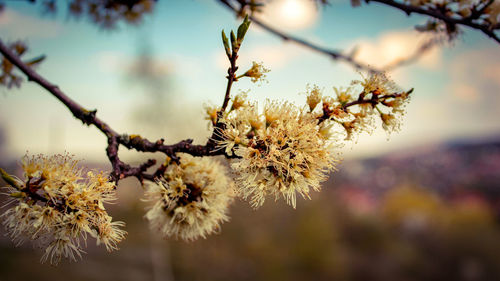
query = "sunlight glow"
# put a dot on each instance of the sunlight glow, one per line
(291, 14)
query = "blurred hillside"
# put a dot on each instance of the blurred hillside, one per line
(430, 213)
(454, 170)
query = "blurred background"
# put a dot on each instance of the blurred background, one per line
(423, 204)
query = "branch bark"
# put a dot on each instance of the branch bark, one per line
(437, 14)
(334, 54)
(120, 169)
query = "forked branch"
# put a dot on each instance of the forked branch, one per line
(89, 117)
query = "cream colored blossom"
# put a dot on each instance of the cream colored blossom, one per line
(257, 72)
(289, 155)
(343, 95)
(230, 136)
(314, 97)
(239, 100)
(286, 150)
(211, 113)
(109, 233)
(398, 103)
(493, 13)
(191, 200)
(378, 84)
(251, 116)
(389, 122)
(56, 207)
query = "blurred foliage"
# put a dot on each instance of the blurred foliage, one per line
(8, 73)
(367, 224)
(103, 13)
(154, 79)
(411, 234)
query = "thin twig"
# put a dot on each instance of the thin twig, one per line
(231, 77)
(334, 54)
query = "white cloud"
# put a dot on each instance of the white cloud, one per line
(396, 45)
(393, 46)
(474, 78)
(19, 26)
(462, 101)
(468, 102)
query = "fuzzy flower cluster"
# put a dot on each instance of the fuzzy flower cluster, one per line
(191, 200)
(381, 94)
(377, 98)
(286, 150)
(57, 208)
(282, 150)
(355, 109)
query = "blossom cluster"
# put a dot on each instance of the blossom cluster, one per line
(282, 151)
(191, 199)
(285, 150)
(57, 207)
(380, 97)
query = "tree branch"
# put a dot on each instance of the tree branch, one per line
(334, 54)
(120, 169)
(437, 14)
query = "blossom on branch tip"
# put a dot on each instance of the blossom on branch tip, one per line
(343, 95)
(56, 207)
(314, 97)
(239, 100)
(257, 72)
(390, 122)
(191, 200)
(377, 84)
(211, 113)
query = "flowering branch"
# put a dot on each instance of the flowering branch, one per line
(334, 54)
(120, 169)
(232, 55)
(470, 17)
(284, 151)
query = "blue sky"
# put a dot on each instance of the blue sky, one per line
(456, 85)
